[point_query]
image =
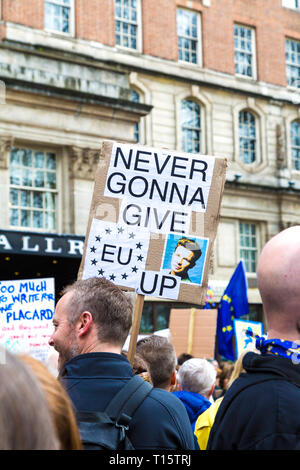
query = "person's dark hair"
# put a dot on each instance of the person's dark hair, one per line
(160, 357)
(191, 245)
(183, 357)
(110, 307)
(25, 418)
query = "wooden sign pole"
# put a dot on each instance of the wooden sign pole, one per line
(191, 331)
(135, 326)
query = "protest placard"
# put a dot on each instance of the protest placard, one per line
(26, 311)
(242, 340)
(193, 331)
(152, 223)
(153, 220)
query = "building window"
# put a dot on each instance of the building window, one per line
(244, 51)
(292, 54)
(32, 189)
(248, 246)
(190, 126)
(136, 98)
(247, 137)
(294, 4)
(59, 16)
(126, 23)
(295, 144)
(188, 32)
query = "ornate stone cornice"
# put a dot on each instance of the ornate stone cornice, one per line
(83, 162)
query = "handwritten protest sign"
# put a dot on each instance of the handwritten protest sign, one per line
(153, 220)
(26, 311)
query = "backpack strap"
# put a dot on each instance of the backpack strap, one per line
(124, 404)
(95, 427)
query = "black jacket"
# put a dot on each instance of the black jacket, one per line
(160, 422)
(261, 410)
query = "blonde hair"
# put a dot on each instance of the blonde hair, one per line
(59, 404)
(238, 366)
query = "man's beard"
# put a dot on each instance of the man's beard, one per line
(66, 355)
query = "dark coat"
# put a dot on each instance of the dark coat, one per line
(160, 422)
(261, 410)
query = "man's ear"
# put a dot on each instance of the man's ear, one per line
(173, 378)
(84, 323)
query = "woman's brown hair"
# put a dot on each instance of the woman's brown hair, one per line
(59, 404)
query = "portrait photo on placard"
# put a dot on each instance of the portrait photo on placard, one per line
(184, 256)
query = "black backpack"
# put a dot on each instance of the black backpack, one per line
(107, 430)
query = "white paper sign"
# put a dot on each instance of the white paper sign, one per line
(155, 219)
(157, 284)
(244, 341)
(26, 312)
(116, 252)
(159, 178)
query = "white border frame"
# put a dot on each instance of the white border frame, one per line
(72, 20)
(199, 38)
(205, 104)
(139, 36)
(59, 185)
(261, 133)
(253, 42)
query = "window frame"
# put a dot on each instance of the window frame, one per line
(249, 249)
(71, 32)
(137, 128)
(254, 162)
(56, 191)
(296, 7)
(262, 160)
(287, 64)
(294, 121)
(199, 37)
(138, 23)
(201, 130)
(253, 52)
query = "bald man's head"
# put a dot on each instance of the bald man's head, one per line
(278, 276)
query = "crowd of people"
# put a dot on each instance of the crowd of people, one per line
(96, 398)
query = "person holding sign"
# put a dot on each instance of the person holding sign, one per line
(92, 321)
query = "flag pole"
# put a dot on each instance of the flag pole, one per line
(138, 309)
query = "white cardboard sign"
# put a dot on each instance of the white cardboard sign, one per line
(156, 178)
(156, 196)
(26, 312)
(116, 252)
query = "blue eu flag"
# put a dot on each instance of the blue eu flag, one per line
(234, 304)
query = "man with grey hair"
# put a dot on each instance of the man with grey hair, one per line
(91, 323)
(196, 380)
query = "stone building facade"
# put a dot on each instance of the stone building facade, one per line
(205, 76)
